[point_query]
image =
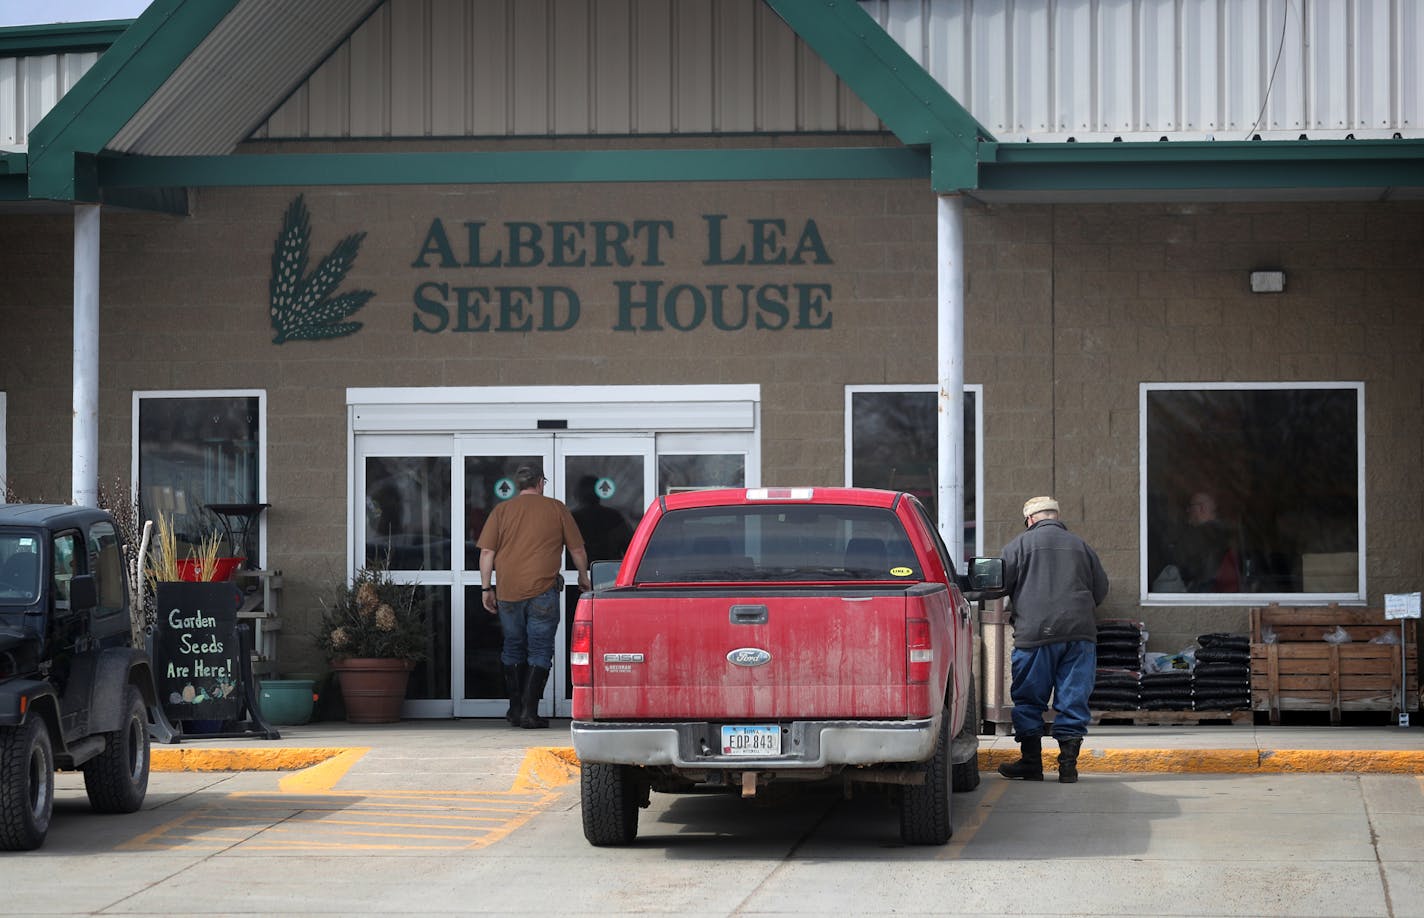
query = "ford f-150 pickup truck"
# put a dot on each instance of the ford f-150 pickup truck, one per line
(777, 634)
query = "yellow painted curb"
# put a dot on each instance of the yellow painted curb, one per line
(227, 759)
(546, 767)
(1228, 761)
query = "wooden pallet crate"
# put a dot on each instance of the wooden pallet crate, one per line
(1303, 672)
(1142, 718)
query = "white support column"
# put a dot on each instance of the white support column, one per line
(950, 362)
(85, 463)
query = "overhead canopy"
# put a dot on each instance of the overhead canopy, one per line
(187, 83)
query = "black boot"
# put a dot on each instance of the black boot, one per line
(1068, 760)
(514, 679)
(1029, 767)
(533, 691)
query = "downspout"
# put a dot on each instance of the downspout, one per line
(84, 466)
(950, 349)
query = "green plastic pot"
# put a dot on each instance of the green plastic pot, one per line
(286, 701)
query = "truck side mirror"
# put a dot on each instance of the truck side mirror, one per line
(83, 593)
(985, 579)
(603, 574)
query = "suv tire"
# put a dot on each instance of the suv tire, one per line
(117, 778)
(26, 785)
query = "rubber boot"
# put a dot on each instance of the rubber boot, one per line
(533, 691)
(1029, 767)
(514, 679)
(1068, 760)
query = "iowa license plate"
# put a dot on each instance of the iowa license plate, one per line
(751, 740)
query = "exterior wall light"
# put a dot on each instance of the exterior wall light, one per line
(1268, 281)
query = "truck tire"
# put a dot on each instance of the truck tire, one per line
(925, 808)
(26, 785)
(966, 773)
(609, 794)
(117, 778)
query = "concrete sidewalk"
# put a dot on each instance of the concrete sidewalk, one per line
(487, 754)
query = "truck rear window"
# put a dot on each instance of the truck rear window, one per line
(779, 542)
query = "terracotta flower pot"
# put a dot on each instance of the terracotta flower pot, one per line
(373, 689)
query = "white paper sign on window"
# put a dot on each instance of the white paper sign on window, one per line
(1401, 605)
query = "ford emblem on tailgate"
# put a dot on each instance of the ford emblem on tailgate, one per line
(748, 656)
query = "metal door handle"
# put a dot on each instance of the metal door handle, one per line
(748, 615)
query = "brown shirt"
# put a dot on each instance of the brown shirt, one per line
(527, 534)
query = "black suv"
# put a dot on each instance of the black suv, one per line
(74, 691)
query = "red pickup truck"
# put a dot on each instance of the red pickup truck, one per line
(778, 634)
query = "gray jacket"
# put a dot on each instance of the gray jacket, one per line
(1056, 581)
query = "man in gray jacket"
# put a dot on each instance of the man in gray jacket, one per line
(1056, 582)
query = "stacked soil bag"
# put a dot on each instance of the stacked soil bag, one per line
(1116, 690)
(1169, 691)
(1120, 644)
(1222, 678)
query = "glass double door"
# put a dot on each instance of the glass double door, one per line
(426, 500)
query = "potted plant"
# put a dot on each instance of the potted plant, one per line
(373, 633)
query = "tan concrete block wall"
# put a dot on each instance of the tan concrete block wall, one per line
(1069, 308)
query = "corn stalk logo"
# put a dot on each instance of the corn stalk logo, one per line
(303, 307)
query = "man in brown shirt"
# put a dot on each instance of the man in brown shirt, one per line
(522, 543)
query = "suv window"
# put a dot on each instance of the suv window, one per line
(107, 564)
(66, 565)
(19, 568)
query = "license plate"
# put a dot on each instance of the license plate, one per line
(744, 740)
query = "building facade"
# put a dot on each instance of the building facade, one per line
(362, 273)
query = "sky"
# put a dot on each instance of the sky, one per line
(37, 12)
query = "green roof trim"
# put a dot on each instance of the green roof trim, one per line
(13, 188)
(912, 103)
(264, 170)
(115, 88)
(14, 164)
(61, 38)
(1188, 165)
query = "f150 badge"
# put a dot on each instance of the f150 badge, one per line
(748, 656)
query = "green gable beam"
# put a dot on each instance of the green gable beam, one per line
(115, 88)
(911, 102)
(1042, 167)
(64, 38)
(261, 170)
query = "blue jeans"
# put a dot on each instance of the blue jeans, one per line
(1065, 670)
(529, 627)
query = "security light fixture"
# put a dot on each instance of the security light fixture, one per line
(1268, 281)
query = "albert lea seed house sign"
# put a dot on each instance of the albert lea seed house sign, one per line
(309, 306)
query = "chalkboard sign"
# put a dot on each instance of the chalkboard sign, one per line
(198, 656)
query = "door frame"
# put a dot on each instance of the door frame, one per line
(426, 415)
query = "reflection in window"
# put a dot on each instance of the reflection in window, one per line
(108, 567)
(1252, 489)
(894, 444)
(195, 450)
(697, 472)
(431, 677)
(408, 512)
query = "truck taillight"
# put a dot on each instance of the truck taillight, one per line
(580, 646)
(919, 655)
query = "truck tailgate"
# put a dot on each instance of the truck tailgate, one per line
(724, 654)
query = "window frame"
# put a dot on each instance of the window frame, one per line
(1149, 598)
(260, 394)
(978, 391)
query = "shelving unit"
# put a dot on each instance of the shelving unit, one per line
(260, 592)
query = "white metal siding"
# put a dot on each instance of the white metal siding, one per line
(453, 68)
(1186, 69)
(30, 86)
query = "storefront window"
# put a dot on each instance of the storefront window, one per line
(195, 449)
(1251, 489)
(892, 438)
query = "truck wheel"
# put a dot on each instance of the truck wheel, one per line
(26, 785)
(609, 794)
(117, 778)
(966, 773)
(925, 808)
